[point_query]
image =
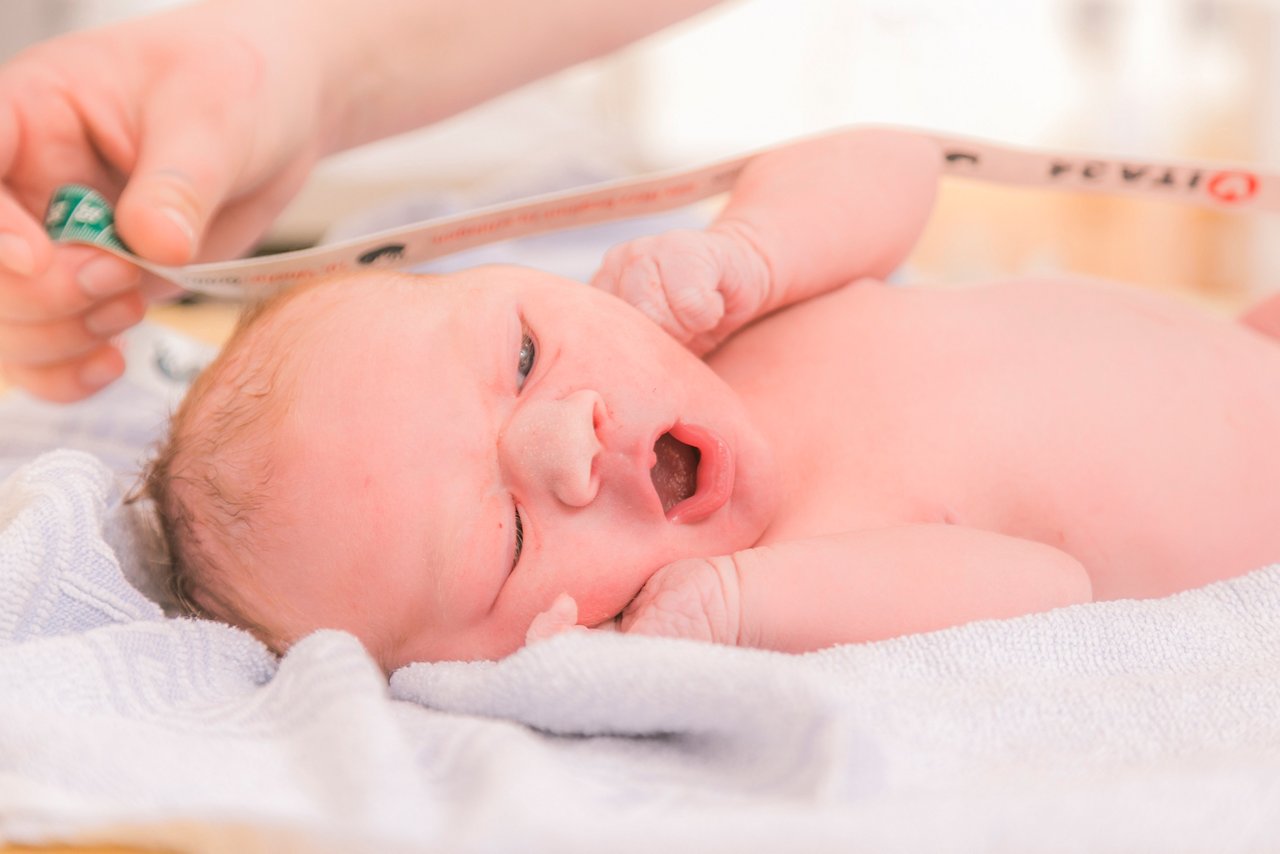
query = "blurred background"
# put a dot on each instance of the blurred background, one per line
(1162, 79)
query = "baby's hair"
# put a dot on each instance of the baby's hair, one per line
(217, 507)
(210, 479)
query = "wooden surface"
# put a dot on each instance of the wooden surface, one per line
(979, 232)
(211, 322)
(75, 849)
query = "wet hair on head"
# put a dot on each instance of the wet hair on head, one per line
(217, 508)
(210, 477)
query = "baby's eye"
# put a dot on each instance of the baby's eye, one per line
(528, 355)
(515, 559)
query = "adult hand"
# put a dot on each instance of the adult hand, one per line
(199, 124)
(202, 122)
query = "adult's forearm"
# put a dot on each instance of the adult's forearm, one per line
(393, 65)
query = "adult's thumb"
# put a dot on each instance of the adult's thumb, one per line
(181, 179)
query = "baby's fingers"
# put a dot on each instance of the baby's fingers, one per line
(560, 617)
(633, 277)
(693, 598)
(674, 278)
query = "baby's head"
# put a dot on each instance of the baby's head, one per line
(427, 462)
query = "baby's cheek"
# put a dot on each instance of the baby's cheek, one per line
(602, 559)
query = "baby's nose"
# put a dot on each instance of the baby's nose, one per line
(551, 445)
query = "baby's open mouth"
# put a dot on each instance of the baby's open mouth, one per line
(675, 474)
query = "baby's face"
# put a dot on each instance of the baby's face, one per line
(459, 451)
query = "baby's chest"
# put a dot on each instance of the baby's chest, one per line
(850, 476)
(1057, 425)
(871, 420)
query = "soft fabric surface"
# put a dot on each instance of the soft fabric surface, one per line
(1118, 726)
(118, 424)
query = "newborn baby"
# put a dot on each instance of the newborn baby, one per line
(444, 465)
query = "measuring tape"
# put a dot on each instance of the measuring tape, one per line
(81, 215)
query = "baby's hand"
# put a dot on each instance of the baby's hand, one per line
(562, 616)
(700, 286)
(695, 598)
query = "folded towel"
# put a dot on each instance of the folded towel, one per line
(1132, 725)
(1118, 726)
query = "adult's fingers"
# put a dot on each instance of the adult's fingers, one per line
(25, 250)
(71, 380)
(78, 278)
(37, 344)
(184, 172)
(41, 140)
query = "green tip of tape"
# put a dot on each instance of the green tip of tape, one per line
(79, 214)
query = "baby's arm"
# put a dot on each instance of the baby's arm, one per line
(1264, 317)
(800, 221)
(865, 585)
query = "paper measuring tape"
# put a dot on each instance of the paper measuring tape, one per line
(79, 214)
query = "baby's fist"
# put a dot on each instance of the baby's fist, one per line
(700, 286)
(695, 598)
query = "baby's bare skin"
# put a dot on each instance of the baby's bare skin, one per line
(1113, 386)
(1143, 442)
(874, 460)
(1129, 433)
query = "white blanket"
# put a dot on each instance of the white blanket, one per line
(1122, 726)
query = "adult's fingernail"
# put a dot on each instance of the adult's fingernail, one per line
(16, 255)
(107, 275)
(184, 224)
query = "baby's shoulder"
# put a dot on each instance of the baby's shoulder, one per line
(864, 314)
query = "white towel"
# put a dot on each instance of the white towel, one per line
(1122, 726)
